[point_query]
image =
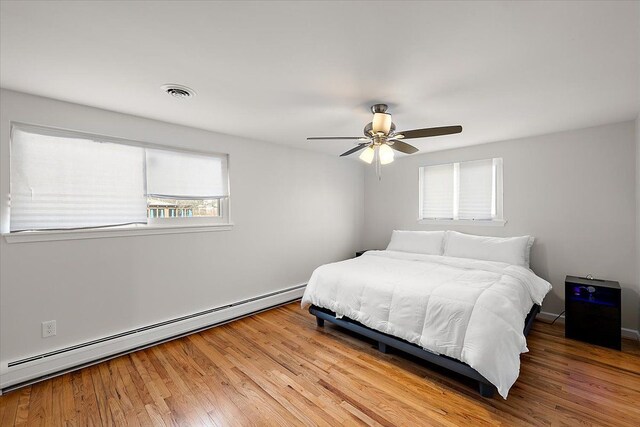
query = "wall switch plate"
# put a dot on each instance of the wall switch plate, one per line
(48, 328)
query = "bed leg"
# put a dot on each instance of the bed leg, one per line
(486, 390)
(382, 347)
(319, 322)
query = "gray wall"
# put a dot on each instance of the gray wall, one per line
(293, 210)
(638, 210)
(574, 191)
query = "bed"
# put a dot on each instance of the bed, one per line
(466, 314)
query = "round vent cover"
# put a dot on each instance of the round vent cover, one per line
(178, 91)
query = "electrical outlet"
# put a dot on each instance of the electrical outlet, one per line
(48, 328)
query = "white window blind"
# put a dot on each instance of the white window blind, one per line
(62, 182)
(462, 191)
(180, 175)
(476, 190)
(438, 191)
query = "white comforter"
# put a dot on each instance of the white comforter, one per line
(470, 310)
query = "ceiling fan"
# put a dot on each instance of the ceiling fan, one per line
(380, 137)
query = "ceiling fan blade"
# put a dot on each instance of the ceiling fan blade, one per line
(403, 147)
(354, 149)
(424, 133)
(334, 137)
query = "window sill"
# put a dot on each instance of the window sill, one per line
(492, 223)
(99, 233)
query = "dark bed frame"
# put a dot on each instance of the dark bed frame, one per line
(384, 341)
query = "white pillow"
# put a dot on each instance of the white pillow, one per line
(512, 250)
(419, 242)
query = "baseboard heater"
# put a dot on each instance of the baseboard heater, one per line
(144, 329)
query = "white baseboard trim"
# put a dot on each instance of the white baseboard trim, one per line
(57, 364)
(631, 334)
(545, 316)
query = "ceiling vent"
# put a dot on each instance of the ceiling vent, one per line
(178, 91)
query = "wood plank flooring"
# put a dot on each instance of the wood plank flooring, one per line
(278, 368)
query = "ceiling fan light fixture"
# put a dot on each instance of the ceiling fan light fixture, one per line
(381, 123)
(367, 155)
(386, 154)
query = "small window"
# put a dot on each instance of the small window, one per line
(464, 191)
(185, 187)
(71, 180)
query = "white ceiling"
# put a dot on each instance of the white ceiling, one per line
(282, 71)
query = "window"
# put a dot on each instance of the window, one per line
(184, 185)
(465, 191)
(67, 180)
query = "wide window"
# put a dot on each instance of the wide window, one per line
(67, 180)
(464, 191)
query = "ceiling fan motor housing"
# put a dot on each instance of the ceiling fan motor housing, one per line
(379, 108)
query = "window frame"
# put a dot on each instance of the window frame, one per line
(157, 226)
(498, 220)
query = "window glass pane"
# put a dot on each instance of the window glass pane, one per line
(438, 191)
(183, 208)
(476, 189)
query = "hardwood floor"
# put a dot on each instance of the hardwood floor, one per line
(278, 368)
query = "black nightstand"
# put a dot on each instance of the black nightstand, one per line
(593, 311)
